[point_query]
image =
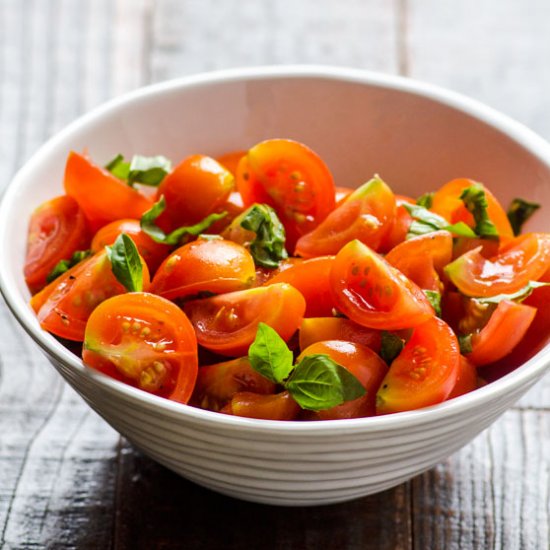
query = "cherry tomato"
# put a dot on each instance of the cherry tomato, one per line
(371, 292)
(292, 179)
(399, 226)
(57, 229)
(227, 324)
(145, 341)
(424, 373)
(64, 306)
(231, 160)
(364, 364)
(506, 328)
(198, 186)
(152, 252)
(466, 380)
(524, 259)
(312, 279)
(233, 207)
(204, 265)
(279, 406)
(366, 215)
(340, 193)
(102, 197)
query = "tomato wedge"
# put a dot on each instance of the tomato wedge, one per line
(227, 324)
(57, 229)
(371, 292)
(231, 160)
(424, 373)
(279, 406)
(466, 380)
(145, 341)
(399, 226)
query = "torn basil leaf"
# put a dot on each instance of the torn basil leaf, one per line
(426, 200)
(65, 265)
(475, 201)
(465, 343)
(519, 212)
(144, 170)
(425, 221)
(434, 298)
(126, 263)
(391, 346)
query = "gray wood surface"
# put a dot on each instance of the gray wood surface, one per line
(66, 478)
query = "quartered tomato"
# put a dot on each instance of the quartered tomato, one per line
(57, 229)
(152, 252)
(279, 406)
(466, 380)
(232, 207)
(205, 265)
(340, 193)
(399, 226)
(102, 197)
(146, 341)
(364, 364)
(64, 306)
(292, 179)
(231, 160)
(424, 373)
(523, 259)
(371, 292)
(365, 215)
(227, 324)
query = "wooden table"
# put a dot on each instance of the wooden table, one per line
(67, 480)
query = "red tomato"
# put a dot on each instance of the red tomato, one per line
(506, 328)
(145, 341)
(231, 160)
(102, 197)
(64, 306)
(366, 215)
(399, 226)
(364, 364)
(341, 193)
(227, 324)
(204, 265)
(198, 186)
(233, 207)
(424, 373)
(292, 179)
(57, 229)
(524, 259)
(279, 406)
(371, 292)
(312, 279)
(152, 252)
(466, 380)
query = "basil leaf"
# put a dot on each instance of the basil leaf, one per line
(518, 296)
(269, 355)
(434, 298)
(427, 222)
(426, 200)
(119, 167)
(390, 346)
(148, 226)
(268, 246)
(475, 201)
(318, 383)
(465, 343)
(148, 170)
(65, 265)
(519, 212)
(126, 263)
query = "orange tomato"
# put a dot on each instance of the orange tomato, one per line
(279, 406)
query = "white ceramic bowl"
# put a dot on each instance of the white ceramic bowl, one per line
(416, 136)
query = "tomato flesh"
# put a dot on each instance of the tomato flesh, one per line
(279, 406)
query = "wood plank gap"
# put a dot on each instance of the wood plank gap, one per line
(402, 50)
(118, 495)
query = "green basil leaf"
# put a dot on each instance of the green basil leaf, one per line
(518, 296)
(126, 263)
(148, 170)
(119, 167)
(65, 265)
(268, 246)
(428, 222)
(390, 346)
(426, 200)
(434, 298)
(317, 382)
(475, 201)
(269, 355)
(465, 343)
(519, 212)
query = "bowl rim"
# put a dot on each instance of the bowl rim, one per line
(522, 376)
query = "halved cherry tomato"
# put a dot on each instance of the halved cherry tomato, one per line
(364, 364)
(317, 329)
(279, 406)
(312, 279)
(231, 160)
(505, 329)
(365, 215)
(145, 341)
(399, 226)
(152, 252)
(227, 324)
(371, 292)
(424, 373)
(233, 207)
(524, 259)
(198, 186)
(57, 229)
(102, 197)
(292, 179)
(341, 193)
(204, 265)
(64, 306)
(466, 380)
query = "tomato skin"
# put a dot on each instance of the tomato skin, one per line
(227, 324)
(424, 373)
(365, 215)
(279, 406)
(364, 364)
(90, 184)
(152, 252)
(467, 379)
(145, 341)
(57, 229)
(340, 193)
(233, 207)
(399, 226)
(525, 258)
(231, 160)
(506, 328)
(371, 292)
(292, 179)
(204, 265)
(312, 279)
